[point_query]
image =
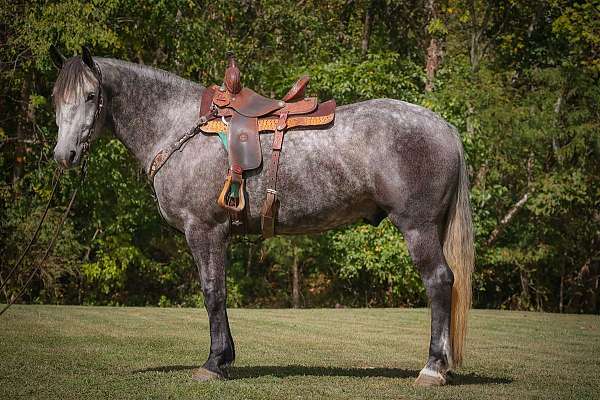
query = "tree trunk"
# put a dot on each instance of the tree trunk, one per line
(390, 292)
(345, 15)
(434, 59)
(525, 300)
(367, 29)
(478, 27)
(507, 218)
(561, 293)
(249, 259)
(295, 281)
(4, 288)
(434, 50)
(474, 52)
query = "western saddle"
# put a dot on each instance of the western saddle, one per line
(239, 115)
(242, 114)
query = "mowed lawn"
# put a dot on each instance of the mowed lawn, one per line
(51, 352)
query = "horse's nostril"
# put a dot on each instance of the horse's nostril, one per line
(72, 156)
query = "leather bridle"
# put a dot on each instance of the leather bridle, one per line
(100, 104)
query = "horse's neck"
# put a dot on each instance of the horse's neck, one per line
(146, 108)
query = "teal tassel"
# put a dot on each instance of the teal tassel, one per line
(223, 138)
(234, 191)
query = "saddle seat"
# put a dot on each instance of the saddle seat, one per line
(243, 114)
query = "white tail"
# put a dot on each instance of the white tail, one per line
(460, 255)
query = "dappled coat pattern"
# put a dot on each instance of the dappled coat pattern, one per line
(381, 158)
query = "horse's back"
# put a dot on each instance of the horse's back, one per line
(380, 155)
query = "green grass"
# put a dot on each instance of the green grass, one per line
(138, 353)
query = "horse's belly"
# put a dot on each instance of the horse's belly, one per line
(313, 220)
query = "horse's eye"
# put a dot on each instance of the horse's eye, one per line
(90, 96)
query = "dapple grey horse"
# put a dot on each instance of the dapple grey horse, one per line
(381, 158)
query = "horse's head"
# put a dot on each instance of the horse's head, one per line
(77, 98)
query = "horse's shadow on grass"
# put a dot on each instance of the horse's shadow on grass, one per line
(248, 372)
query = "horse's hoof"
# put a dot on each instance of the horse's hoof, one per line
(203, 375)
(429, 378)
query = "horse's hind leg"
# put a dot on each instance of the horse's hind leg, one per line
(426, 250)
(209, 248)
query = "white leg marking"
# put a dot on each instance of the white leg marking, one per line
(448, 352)
(433, 374)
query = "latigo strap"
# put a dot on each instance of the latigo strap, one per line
(269, 209)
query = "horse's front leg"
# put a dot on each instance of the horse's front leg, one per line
(209, 247)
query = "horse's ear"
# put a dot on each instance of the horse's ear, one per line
(57, 58)
(86, 56)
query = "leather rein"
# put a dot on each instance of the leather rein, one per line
(163, 155)
(57, 174)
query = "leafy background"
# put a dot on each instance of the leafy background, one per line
(519, 80)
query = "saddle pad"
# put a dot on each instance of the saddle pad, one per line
(323, 115)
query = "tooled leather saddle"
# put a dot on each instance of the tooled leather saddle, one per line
(240, 115)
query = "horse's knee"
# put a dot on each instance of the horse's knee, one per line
(214, 298)
(214, 302)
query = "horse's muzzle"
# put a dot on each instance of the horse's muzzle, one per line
(66, 159)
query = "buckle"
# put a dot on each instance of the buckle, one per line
(237, 169)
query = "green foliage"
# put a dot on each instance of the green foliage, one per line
(579, 25)
(376, 266)
(437, 28)
(351, 78)
(518, 79)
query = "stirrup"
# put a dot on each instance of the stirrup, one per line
(225, 197)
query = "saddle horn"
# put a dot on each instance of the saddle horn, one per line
(232, 77)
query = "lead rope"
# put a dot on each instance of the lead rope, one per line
(58, 174)
(56, 178)
(48, 250)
